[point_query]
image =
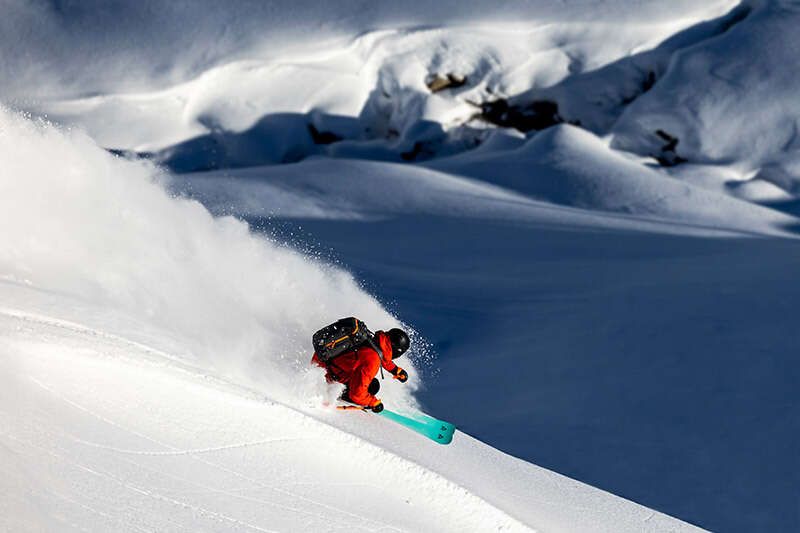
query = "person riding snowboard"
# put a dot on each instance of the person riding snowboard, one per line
(357, 368)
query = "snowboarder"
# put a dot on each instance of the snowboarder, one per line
(357, 368)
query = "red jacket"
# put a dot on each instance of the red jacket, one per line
(357, 369)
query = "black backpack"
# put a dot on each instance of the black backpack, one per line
(344, 335)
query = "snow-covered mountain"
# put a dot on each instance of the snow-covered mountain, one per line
(584, 211)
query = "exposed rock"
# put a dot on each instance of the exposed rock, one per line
(323, 137)
(668, 157)
(537, 115)
(412, 154)
(437, 82)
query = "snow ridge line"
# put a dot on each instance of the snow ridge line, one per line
(456, 491)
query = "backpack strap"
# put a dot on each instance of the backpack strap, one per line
(371, 341)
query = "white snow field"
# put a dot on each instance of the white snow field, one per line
(104, 434)
(585, 212)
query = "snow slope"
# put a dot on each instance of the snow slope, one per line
(661, 368)
(129, 406)
(358, 89)
(626, 354)
(365, 190)
(562, 201)
(104, 434)
(570, 166)
(355, 79)
(740, 110)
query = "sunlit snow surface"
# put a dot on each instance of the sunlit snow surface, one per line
(610, 298)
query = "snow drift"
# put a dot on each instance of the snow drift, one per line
(740, 107)
(570, 166)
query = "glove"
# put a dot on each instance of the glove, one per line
(378, 407)
(401, 375)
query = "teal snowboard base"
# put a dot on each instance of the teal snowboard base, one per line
(436, 430)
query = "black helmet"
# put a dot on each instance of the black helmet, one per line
(400, 342)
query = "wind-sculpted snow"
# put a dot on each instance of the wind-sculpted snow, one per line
(738, 108)
(565, 177)
(54, 48)
(569, 166)
(368, 85)
(594, 98)
(364, 94)
(97, 228)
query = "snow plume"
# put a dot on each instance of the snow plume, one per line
(77, 220)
